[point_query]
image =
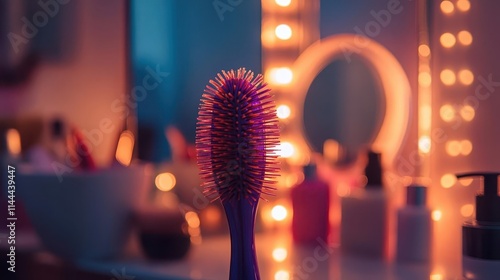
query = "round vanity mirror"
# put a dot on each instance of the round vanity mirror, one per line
(344, 104)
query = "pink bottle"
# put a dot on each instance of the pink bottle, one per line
(311, 203)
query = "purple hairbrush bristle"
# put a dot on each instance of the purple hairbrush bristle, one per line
(236, 137)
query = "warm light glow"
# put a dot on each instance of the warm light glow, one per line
(13, 142)
(464, 37)
(466, 181)
(424, 144)
(447, 113)
(343, 189)
(447, 7)
(192, 219)
(466, 147)
(165, 181)
(436, 276)
(279, 213)
(424, 50)
(211, 217)
(453, 148)
(465, 76)
(424, 79)
(463, 5)
(283, 111)
(425, 117)
(467, 112)
(331, 150)
(448, 180)
(125, 147)
(283, 3)
(280, 254)
(447, 40)
(282, 275)
(281, 75)
(436, 216)
(283, 31)
(467, 210)
(286, 150)
(447, 77)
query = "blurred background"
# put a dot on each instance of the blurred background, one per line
(99, 100)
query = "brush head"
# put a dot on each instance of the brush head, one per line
(237, 136)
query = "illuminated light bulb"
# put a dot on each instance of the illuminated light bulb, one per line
(467, 112)
(125, 147)
(279, 213)
(283, 31)
(448, 180)
(424, 79)
(13, 142)
(281, 75)
(192, 219)
(466, 147)
(453, 148)
(467, 210)
(447, 77)
(424, 144)
(447, 7)
(165, 181)
(283, 111)
(286, 150)
(466, 181)
(447, 40)
(282, 275)
(447, 113)
(283, 3)
(465, 76)
(437, 215)
(464, 37)
(424, 50)
(463, 5)
(280, 254)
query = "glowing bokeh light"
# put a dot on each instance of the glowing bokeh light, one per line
(464, 37)
(282, 275)
(448, 180)
(280, 254)
(467, 210)
(467, 112)
(447, 112)
(447, 40)
(463, 5)
(279, 213)
(465, 147)
(281, 75)
(283, 111)
(437, 215)
(447, 7)
(283, 31)
(424, 144)
(424, 50)
(165, 181)
(283, 3)
(286, 150)
(453, 148)
(466, 77)
(447, 77)
(424, 79)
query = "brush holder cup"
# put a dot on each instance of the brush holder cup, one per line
(84, 214)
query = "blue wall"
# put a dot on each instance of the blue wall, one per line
(192, 41)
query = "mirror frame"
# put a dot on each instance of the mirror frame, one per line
(395, 87)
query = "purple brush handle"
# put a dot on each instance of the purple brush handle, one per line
(241, 219)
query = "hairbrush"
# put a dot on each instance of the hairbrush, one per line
(237, 136)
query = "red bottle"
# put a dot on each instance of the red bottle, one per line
(311, 203)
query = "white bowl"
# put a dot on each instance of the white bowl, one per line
(87, 215)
